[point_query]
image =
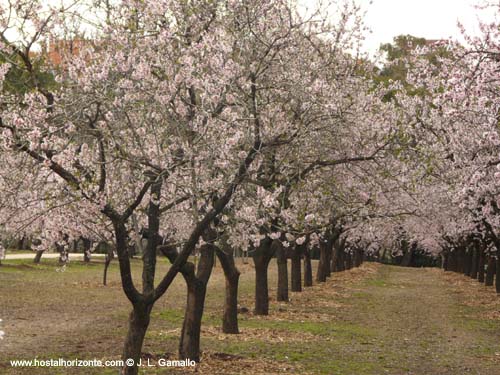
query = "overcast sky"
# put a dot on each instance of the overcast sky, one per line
(431, 19)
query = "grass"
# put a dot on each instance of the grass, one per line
(368, 321)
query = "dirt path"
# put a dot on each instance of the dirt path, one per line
(72, 256)
(419, 325)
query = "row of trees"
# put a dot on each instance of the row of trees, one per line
(455, 112)
(204, 125)
(213, 126)
(473, 258)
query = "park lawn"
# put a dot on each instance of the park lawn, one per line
(51, 312)
(369, 320)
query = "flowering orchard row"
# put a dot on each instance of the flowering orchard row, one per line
(212, 126)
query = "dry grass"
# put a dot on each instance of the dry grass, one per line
(367, 321)
(50, 314)
(474, 294)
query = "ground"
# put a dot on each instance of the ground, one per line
(377, 319)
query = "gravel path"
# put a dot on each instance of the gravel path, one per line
(47, 255)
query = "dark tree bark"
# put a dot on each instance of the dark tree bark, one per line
(490, 272)
(474, 262)
(445, 257)
(326, 253)
(493, 261)
(358, 257)
(497, 279)
(232, 276)
(455, 261)
(261, 257)
(282, 262)
(22, 243)
(189, 346)
(461, 259)
(323, 259)
(408, 255)
(38, 256)
(337, 258)
(142, 303)
(329, 255)
(383, 257)
(480, 271)
(341, 263)
(452, 260)
(348, 260)
(467, 261)
(141, 309)
(107, 261)
(308, 278)
(297, 268)
(138, 325)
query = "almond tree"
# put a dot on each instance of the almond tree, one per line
(456, 119)
(166, 107)
(135, 115)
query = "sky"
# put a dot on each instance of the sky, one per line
(431, 19)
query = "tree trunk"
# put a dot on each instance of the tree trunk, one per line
(454, 266)
(474, 261)
(383, 257)
(63, 253)
(454, 260)
(232, 275)
(189, 346)
(408, 256)
(297, 269)
(261, 257)
(281, 260)
(261, 289)
(329, 256)
(341, 258)
(480, 271)
(490, 272)
(497, 280)
(323, 258)
(87, 244)
(142, 303)
(138, 325)
(335, 256)
(21, 243)
(308, 278)
(461, 259)
(109, 257)
(348, 260)
(38, 256)
(357, 257)
(445, 258)
(468, 262)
